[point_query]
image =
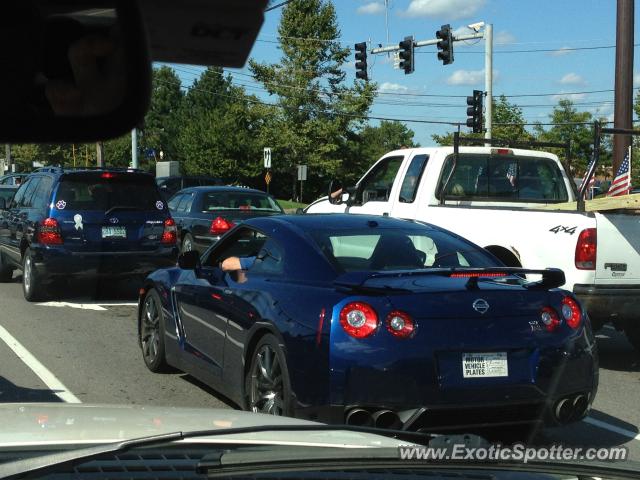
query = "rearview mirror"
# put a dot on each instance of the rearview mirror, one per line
(79, 71)
(189, 260)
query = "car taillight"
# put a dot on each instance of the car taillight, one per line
(550, 319)
(49, 232)
(586, 249)
(400, 325)
(358, 319)
(170, 233)
(220, 225)
(477, 274)
(571, 312)
(108, 175)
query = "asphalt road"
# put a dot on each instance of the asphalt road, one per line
(82, 348)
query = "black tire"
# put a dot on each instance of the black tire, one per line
(187, 243)
(270, 394)
(632, 331)
(6, 271)
(152, 333)
(32, 282)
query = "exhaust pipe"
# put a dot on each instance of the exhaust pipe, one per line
(580, 405)
(564, 410)
(386, 419)
(359, 417)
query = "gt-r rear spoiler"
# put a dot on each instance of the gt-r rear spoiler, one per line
(551, 277)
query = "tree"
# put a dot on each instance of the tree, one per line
(508, 123)
(317, 111)
(162, 123)
(570, 125)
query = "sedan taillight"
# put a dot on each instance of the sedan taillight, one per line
(49, 232)
(359, 319)
(220, 225)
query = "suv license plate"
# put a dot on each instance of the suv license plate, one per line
(482, 365)
(114, 232)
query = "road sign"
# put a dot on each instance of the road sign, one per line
(267, 157)
(302, 172)
(267, 178)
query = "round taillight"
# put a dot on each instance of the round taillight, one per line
(571, 312)
(550, 319)
(400, 325)
(358, 319)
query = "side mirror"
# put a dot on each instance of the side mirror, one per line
(338, 194)
(299, 211)
(189, 260)
(3, 204)
(80, 71)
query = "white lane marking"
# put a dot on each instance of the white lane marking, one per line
(83, 306)
(612, 428)
(49, 379)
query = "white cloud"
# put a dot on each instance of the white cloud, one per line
(392, 87)
(503, 38)
(371, 8)
(574, 97)
(449, 9)
(560, 52)
(466, 77)
(572, 79)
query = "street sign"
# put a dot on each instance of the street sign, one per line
(267, 157)
(267, 178)
(302, 173)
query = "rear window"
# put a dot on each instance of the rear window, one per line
(505, 178)
(394, 249)
(213, 201)
(94, 192)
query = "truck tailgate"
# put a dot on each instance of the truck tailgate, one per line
(618, 254)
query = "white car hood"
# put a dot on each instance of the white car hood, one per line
(39, 424)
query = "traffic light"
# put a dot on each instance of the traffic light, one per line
(445, 45)
(474, 111)
(361, 61)
(406, 55)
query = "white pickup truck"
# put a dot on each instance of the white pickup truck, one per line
(500, 199)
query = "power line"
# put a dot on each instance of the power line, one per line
(535, 50)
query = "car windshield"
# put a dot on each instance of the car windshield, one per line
(99, 192)
(213, 201)
(410, 217)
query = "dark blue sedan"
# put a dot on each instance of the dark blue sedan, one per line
(372, 321)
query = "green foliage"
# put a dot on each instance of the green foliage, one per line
(317, 111)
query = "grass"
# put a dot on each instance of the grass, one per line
(287, 204)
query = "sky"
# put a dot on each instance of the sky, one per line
(534, 53)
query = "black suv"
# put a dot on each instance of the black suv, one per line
(65, 223)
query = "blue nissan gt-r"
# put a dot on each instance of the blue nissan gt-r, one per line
(372, 321)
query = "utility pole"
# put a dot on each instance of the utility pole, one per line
(134, 148)
(99, 154)
(488, 79)
(622, 116)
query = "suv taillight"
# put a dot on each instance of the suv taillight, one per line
(586, 249)
(49, 232)
(170, 233)
(220, 225)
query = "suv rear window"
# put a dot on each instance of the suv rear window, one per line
(97, 192)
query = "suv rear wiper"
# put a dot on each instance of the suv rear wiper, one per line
(121, 207)
(51, 462)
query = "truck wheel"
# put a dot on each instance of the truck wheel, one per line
(632, 331)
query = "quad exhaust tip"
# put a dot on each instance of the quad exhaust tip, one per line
(359, 417)
(571, 408)
(386, 419)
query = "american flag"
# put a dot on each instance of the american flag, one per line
(621, 184)
(592, 182)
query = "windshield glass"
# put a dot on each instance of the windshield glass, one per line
(96, 192)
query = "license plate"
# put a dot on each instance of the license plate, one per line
(483, 365)
(114, 232)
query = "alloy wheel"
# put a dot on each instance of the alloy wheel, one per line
(267, 386)
(150, 331)
(27, 274)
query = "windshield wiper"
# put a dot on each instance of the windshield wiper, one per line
(121, 207)
(52, 462)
